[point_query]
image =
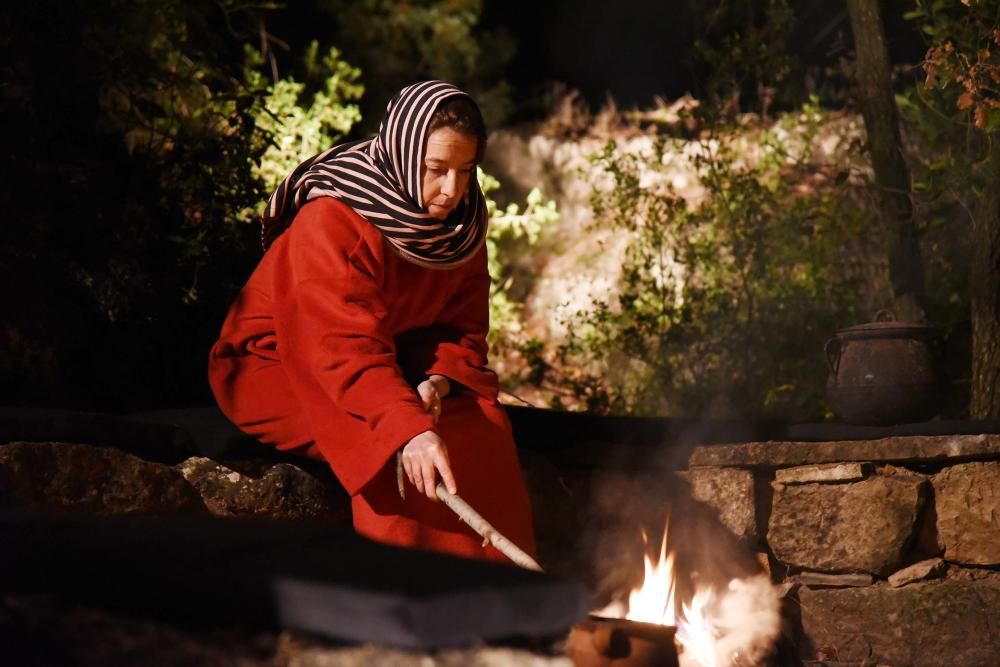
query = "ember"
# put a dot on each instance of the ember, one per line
(727, 628)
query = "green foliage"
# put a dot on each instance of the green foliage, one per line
(962, 64)
(300, 127)
(188, 124)
(952, 115)
(396, 42)
(510, 228)
(135, 245)
(722, 306)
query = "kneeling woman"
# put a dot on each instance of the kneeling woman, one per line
(361, 335)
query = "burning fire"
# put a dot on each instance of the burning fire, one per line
(713, 630)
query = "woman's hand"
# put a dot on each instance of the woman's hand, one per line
(431, 391)
(422, 458)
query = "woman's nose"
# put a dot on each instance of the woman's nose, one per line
(450, 185)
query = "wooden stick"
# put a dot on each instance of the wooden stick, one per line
(475, 520)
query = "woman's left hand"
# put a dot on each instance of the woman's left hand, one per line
(431, 391)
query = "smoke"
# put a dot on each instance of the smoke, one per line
(748, 620)
(739, 621)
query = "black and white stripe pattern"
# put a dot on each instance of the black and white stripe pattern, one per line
(380, 178)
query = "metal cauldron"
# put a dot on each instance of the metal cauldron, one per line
(885, 372)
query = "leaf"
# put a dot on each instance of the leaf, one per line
(994, 123)
(964, 101)
(982, 116)
(903, 101)
(931, 70)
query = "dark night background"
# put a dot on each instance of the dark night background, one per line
(91, 290)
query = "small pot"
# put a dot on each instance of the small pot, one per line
(885, 372)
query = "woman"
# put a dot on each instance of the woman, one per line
(360, 338)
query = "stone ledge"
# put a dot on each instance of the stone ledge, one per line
(911, 449)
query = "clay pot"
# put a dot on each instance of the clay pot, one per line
(885, 372)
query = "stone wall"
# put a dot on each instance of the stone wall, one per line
(889, 549)
(50, 628)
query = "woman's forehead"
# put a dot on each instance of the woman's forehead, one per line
(447, 144)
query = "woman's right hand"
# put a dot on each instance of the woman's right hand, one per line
(423, 457)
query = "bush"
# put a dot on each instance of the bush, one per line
(724, 304)
(139, 130)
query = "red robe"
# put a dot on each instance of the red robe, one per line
(320, 353)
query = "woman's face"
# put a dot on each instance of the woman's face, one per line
(449, 163)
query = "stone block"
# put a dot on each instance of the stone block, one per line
(282, 492)
(967, 501)
(929, 624)
(855, 527)
(925, 569)
(978, 575)
(824, 580)
(62, 476)
(905, 449)
(824, 472)
(731, 492)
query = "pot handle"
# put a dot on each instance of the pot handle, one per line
(832, 349)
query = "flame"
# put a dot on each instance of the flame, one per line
(717, 628)
(654, 601)
(696, 634)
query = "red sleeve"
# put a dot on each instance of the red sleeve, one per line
(460, 346)
(330, 321)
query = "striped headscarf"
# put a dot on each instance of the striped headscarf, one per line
(380, 178)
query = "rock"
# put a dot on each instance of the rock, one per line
(62, 476)
(825, 472)
(822, 580)
(978, 575)
(909, 449)
(929, 624)
(765, 562)
(282, 492)
(860, 527)
(729, 491)
(925, 569)
(967, 501)
(787, 589)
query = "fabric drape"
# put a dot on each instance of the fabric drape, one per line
(380, 178)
